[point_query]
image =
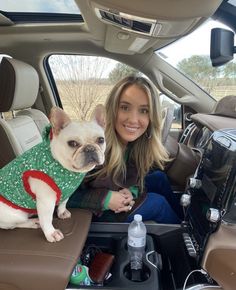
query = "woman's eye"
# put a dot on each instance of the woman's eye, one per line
(100, 140)
(73, 144)
(124, 107)
(144, 111)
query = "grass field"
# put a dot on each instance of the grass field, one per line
(80, 99)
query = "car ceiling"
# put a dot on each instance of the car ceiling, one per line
(33, 41)
(173, 18)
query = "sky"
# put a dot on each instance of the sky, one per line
(197, 43)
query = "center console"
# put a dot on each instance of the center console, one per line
(211, 191)
(161, 267)
(174, 251)
(120, 272)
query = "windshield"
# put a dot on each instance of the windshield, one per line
(191, 55)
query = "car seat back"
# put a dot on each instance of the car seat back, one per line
(27, 260)
(20, 125)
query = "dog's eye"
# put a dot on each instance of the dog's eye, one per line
(73, 144)
(100, 140)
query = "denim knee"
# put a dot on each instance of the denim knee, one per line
(158, 182)
(164, 213)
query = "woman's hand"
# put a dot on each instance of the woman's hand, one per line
(121, 201)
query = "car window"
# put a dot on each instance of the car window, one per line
(167, 102)
(191, 55)
(83, 82)
(67, 6)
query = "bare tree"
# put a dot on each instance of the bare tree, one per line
(82, 82)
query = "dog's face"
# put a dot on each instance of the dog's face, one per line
(78, 146)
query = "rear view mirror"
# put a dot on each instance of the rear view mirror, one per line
(222, 46)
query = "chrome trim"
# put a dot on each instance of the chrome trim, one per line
(203, 286)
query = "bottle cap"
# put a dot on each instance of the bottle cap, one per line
(138, 217)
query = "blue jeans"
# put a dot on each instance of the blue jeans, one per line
(161, 205)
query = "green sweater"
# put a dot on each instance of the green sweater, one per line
(38, 163)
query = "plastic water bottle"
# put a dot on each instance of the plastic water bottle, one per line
(136, 242)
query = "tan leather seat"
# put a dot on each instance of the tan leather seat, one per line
(27, 260)
(20, 130)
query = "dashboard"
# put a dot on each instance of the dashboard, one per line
(202, 137)
(198, 132)
(213, 191)
(188, 151)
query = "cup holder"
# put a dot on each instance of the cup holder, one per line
(137, 275)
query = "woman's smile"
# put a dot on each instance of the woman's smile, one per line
(131, 129)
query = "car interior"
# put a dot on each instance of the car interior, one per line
(199, 253)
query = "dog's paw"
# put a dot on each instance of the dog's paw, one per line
(35, 223)
(32, 223)
(64, 215)
(55, 236)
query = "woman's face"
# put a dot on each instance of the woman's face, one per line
(132, 117)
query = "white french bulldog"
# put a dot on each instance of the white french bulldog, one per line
(48, 174)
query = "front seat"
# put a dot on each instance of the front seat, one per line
(27, 260)
(21, 129)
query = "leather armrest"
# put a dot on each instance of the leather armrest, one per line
(29, 262)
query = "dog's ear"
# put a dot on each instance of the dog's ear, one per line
(59, 120)
(98, 115)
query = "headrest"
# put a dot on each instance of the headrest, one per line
(226, 107)
(19, 85)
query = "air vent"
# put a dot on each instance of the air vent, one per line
(129, 22)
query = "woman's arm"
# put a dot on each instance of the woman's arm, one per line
(99, 194)
(100, 199)
(88, 198)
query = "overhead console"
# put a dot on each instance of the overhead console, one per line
(149, 23)
(145, 26)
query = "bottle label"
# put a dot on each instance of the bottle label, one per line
(80, 276)
(136, 242)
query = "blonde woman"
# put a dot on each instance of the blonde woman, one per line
(124, 185)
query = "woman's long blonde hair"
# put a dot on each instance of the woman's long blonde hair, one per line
(147, 151)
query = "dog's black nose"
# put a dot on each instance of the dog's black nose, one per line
(89, 148)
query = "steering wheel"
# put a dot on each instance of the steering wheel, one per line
(167, 119)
